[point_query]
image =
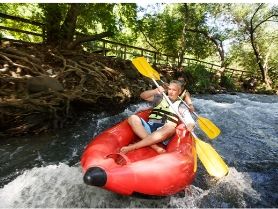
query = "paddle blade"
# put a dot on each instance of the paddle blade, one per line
(145, 68)
(211, 130)
(211, 160)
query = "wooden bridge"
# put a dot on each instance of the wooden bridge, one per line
(114, 49)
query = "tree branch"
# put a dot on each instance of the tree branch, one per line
(85, 38)
(265, 20)
(147, 40)
(217, 42)
(259, 7)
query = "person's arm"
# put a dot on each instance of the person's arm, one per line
(188, 101)
(149, 94)
(190, 123)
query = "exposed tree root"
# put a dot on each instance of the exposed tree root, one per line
(42, 88)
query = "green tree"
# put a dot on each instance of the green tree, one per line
(62, 22)
(257, 33)
(28, 11)
(70, 25)
(183, 29)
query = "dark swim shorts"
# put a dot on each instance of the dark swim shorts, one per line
(151, 127)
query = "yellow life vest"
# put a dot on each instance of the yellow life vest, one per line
(164, 112)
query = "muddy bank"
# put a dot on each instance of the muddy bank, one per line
(43, 88)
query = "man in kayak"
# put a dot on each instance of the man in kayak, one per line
(162, 120)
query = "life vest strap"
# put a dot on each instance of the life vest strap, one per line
(164, 118)
(156, 111)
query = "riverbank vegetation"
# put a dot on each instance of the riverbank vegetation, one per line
(44, 85)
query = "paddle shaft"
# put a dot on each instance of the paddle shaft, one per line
(188, 106)
(209, 125)
(210, 129)
(171, 104)
(184, 103)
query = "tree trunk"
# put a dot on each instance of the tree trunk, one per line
(85, 38)
(57, 34)
(220, 49)
(257, 55)
(69, 25)
(180, 58)
(53, 18)
(263, 68)
(64, 35)
(182, 49)
(217, 42)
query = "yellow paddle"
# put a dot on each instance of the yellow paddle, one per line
(211, 160)
(211, 130)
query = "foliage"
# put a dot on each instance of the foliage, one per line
(227, 83)
(96, 18)
(172, 28)
(242, 54)
(254, 31)
(199, 79)
(197, 44)
(165, 30)
(125, 22)
(27, 11)
(92, 19)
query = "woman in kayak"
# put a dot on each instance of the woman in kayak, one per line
(162, 120)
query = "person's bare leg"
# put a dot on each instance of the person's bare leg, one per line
(156, 137)
(158, 148)
(136, 124)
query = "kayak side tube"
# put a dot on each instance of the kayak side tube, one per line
(140, 171)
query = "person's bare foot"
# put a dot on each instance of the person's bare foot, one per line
(126, 149)
(158, 149)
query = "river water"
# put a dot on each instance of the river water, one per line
(44, 171)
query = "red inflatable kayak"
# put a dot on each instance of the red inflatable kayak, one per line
(142, 171)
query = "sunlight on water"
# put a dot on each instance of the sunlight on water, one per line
(190, 198)
(62, 186)
(245, 121)
(231, 191)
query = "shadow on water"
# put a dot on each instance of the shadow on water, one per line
(44, 171)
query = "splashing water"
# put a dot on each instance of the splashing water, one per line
(44, 171)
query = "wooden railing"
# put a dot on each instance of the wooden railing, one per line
(114, 49)
(124, 51)
(40, 27)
